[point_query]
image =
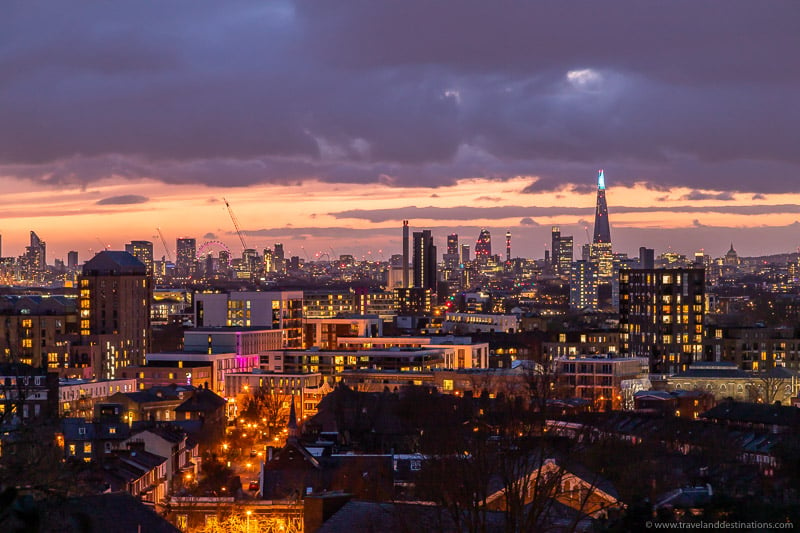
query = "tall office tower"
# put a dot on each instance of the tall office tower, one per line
(268, 260)
(452, 244)
(424, 259)
(406, 281)
(36, 255)
(508, 246)
(250, 259)
(555, 240)
(114, 303)
(564, 255)
(72, 259)
(483, 248)
(464, 254)
(143, 251)
(583, 286)
(661, 316)
(647, 258)
(279, 258)
(185, 260)
(224, 260)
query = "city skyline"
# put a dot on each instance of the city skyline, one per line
(114, 121)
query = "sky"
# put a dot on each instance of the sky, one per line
(325, 124)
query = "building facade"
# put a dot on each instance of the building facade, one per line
(661, 316)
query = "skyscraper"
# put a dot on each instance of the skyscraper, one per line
(647, 257)
(600, 252)
(562, 252)
(555, 240)
(186, 257)
(565, 255)
(602, 232)
(36, 257)
(508, 246)
(143, 251)
(424, 261)
(464, 254)
(279, 258)
(451, 258)
(483, 248)
(405, 255)
(452, 243)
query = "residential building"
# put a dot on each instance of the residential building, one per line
(661, 316)
(609, 383)
(275, 309)
(114, 306)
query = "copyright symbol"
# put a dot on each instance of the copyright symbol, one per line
(648, 524)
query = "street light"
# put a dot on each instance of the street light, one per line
(248, 513)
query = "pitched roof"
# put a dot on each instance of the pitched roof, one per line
(105, 512)
(755, 413)
(112, 262)
(202, 400)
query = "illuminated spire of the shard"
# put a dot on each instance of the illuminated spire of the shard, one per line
(602, 232)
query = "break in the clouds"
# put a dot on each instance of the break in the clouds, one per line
(403, 93)
(125, 199)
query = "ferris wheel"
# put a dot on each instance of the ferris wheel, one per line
(207, 247)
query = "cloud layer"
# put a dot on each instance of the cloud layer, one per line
(402, 93)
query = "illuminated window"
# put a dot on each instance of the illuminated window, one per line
(447, 384)
(87, 447)
(72, 449)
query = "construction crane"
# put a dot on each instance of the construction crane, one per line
(235, 224)
(164, 242)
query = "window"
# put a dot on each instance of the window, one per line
(447, 384)
(72, 449)
(112, 430)
(87, 447)
(416, 465)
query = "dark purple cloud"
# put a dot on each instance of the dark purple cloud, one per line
(700, 195)
(412, 93)
(512, 211)
(125, 199)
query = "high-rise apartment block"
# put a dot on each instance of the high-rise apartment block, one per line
(143, 251)
(186, 260)
(114, 310)
(583, 286)
(424, 259)
(661, 316)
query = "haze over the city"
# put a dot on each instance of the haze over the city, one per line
(326, 124)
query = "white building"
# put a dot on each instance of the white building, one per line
(460, 352)
(480, 323)
(76, 397)
(273, 310)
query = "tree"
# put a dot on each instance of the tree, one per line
(767, 387)
(265, 406)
